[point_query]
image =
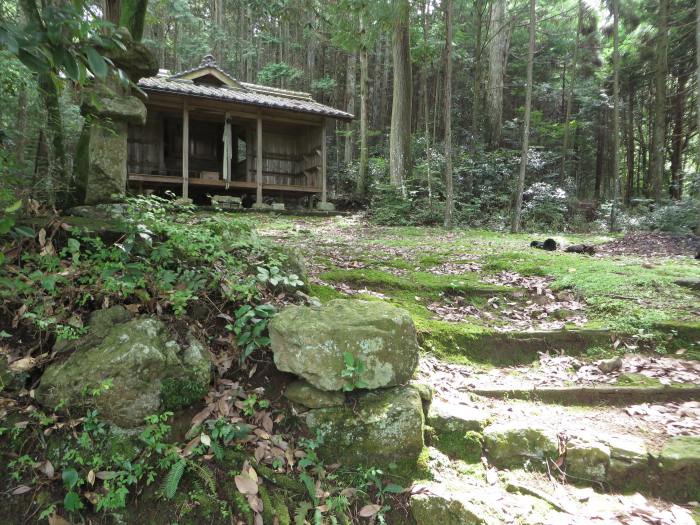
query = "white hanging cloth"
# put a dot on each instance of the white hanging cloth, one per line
(228, 149)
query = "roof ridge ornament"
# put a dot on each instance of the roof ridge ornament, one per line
(208, 60)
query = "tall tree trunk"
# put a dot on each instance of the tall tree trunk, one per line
(364, 107)
(21, 126)
(133, 16)
(350, 106)
(629, 142)
(217, 48)
(697, 95)
(499, 34)
(616, 114)
(515, 226)
(51, 96)
(449, 196)
(600, 153)
(426, 124)
(677, 142)
(400, 134)
(477, 101)
(570, 94)
(423, 103)
(658, 147)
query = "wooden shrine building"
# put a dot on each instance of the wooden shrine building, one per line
(273, 140)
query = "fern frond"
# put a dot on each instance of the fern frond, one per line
(204, 474)
(301, 512)
(172, 480)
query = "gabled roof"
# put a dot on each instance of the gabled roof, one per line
(208, 80)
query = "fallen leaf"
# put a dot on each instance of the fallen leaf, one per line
(106, 475)
(91, 477)
(22, 365)
(55, 519)
(22, 489)
(369, 510)
(190, 447)
(47, 469)
(245, 484)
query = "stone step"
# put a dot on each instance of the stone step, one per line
(593, 458)
(510, 348)
(595, 394)
(461, 494)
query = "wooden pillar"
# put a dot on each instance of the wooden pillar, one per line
(248, 155)
(185, 151)
(323, 162)
(259, 163)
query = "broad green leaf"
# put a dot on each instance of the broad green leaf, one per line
(70, 477)
(72, 502)
(14, 207)
(97, 64)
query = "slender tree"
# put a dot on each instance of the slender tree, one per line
(616, 113)
(449, 196)
(364, 106)
(570, 94)
(658, 141)
(499, 40)
(400, 134)
(515, 225)
(350, 107)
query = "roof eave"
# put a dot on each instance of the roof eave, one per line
(346, 117)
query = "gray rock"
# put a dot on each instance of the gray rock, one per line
(127, 109)
(587, 459)
(457, 503)
(99, 325)
(628, 454)
(680, 452)
(311, 343)
(517, 444)
(106, 171)
(309, 396)
(148, 370)
(454, 417)
(383, 426)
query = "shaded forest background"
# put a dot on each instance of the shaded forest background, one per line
(383, 59)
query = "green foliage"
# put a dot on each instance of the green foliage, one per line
(62, 41)
(675, 217)
(274, 277)
(250, 326)
(354, 368)
(180, 392)
(279, 74)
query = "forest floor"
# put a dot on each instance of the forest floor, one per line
(570, 342)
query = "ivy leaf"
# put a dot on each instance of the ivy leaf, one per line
(97, 64)
(70, 477)
(72, 502)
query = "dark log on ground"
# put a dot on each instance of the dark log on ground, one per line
(580, 248)
(549, 244)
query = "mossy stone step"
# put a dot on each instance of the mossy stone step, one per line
(505, 348)
(596, 395)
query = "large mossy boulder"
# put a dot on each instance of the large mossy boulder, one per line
(311, 342)
(517, 444)
(144, 365)
(382, 427)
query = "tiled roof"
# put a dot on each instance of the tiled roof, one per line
(248, 94)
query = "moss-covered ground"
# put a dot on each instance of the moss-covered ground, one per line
(632, 296)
